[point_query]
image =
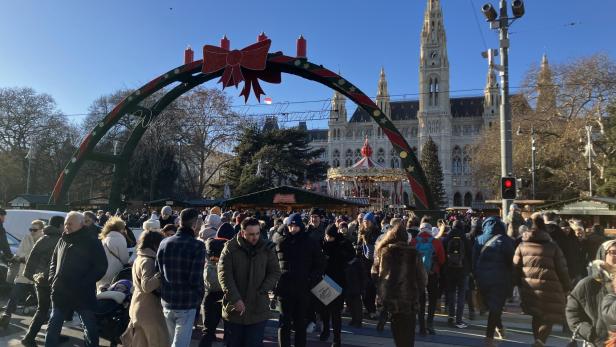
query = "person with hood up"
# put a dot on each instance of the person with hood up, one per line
(302, 265)
(210, 228)
(492, 259)
(584, 302)
(22, 285)
(432, 255)
(567, 243)
(338, 251)
(514, 220)
(369, 232)
(458, 250)
(114, 242)
(166, 216)
(212, 306)
(37, 270)
(400, 277)
(540, 271)
(248, 270)
(147, 327)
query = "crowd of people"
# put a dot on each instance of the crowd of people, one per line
(239, 266)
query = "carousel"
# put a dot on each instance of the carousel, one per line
(382, 188)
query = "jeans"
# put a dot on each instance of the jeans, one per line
(212, 313)
(456, 294)
(43, 295)
(19, 292)
(403, 329)
(293, 310)
(179, 325)
(432, 289)
(239, 335)
(88, 320)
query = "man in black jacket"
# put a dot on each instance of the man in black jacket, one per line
(77, 263)
(37, 270)
(5, 249)
(567, 243)
(458, 251)
(302, 264)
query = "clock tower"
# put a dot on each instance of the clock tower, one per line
(434, 113)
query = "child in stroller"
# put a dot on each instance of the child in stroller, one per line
(112, 308)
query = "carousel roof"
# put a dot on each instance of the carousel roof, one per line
(366, 161)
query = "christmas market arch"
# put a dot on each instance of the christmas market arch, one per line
(248, 65)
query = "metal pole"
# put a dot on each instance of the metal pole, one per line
(532, 159)
(28, 180)
(505, 109)
(589, 150)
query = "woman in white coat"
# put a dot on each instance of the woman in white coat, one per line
(114, 242)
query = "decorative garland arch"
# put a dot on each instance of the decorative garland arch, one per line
(249, 65)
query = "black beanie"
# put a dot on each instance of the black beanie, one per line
(56, 221)
(331, 230)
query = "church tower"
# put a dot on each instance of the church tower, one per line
(491, 99)
(546, 90)
(382, 95)
(434, 113)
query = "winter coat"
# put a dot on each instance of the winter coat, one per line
(492, 264)
(5, 249)
(468, 248)
(514, 221)
(356, 278)
(77, 263)
(438, 252)
(40, 255)
(164, 222)
(247, 273)
(213, 249)
(541, 274)
(367, 239)
(570, 247)
(590, 245)
(117, 255)
(583, 310)
(316, 233)
(399, 275)
(608, 312)
(147, 326)
(338, 253)
(23, 252)
(302, 263)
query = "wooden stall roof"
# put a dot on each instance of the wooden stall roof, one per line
(289, 196)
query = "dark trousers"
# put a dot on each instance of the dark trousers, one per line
(355, 306)
(293, 310)
(456, 294)
(56, 321)
(432, 289)
(43, 294)
(212, 313)
(403, 329)
(333, 311)
(494, 321)
(240, 335)
(19, 292)
(541, 329)
(470, 297)
(369, 296)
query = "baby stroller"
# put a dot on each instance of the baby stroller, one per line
(112, 308)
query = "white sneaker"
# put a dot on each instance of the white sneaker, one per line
(310, 328)
(74, 323)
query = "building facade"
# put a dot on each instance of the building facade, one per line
(453, 123)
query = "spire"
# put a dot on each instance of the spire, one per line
(544, 60)
(546, 90)
(491, 81)
(338, 111)
(382, 94)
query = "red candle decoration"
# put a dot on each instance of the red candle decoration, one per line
(189, 55)
(301, 47)
(261, 37)
(225, 43)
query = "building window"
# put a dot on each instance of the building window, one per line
(456, 161)
(380, 156)
(348, 158)
(457, 199)
(468, 199)
(395, 160)
(336, 158)
(479, 197)
(466, 163)
(357, 155)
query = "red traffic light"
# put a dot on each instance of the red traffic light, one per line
(508, 188)
(508, 183)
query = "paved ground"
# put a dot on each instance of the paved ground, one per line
(518, 334)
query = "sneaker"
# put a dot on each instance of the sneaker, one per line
(450, 322)
(499, 333)
(373, 315)
(28, 342)
(461, 325)
(310, 328)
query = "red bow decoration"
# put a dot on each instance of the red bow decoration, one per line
(247, 64)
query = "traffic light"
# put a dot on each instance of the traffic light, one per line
(508, 188)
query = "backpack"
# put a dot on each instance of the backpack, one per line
(456, 252)
(426, 250)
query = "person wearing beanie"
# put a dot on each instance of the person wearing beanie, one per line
(369, 232)
(493, 271)
(212, 301)
(166, 216)
(432, 255)
(316, 231)
(180, 260)
(37, 270)
(338, 251)
(210, 228)
(302, 264)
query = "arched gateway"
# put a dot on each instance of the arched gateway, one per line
(248, 65)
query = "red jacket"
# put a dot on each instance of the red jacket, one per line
(439, 251)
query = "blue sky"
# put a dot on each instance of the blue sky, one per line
(77, 50)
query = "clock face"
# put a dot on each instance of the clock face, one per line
(434, 54)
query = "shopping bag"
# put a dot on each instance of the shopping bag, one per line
(327, 290)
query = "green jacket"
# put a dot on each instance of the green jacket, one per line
(247, 273)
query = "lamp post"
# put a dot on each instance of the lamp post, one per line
(501, 22)
(589, 153)
(29, 156)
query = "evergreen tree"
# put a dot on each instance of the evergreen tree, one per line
(267, 158)
(434, 173)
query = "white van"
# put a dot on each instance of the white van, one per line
(17, 222)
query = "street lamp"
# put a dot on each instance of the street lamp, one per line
(589, 153)
(533, 150)
(502, 24)
(30, 157)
